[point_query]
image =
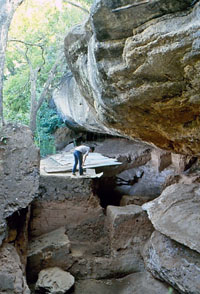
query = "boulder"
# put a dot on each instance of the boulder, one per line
(136, 69)
(54, 281)
(48, 250)
(176, 214)
(19, 171)
(136, 283)
(173, 263)
(12, 278)
(129, 227)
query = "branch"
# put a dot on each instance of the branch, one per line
(30, 44)
(16, 3)
(25, 56)
(77, 5)
(49, 80)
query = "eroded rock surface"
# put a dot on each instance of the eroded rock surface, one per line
(19, 172)
(176, 214)
(12, 278)
(136, 67)
(173, 263)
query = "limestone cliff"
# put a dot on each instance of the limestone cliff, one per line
(135, 67)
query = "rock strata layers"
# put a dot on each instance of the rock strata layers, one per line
(136, 71)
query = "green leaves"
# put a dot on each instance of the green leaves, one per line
(36, 36)
(47, 122)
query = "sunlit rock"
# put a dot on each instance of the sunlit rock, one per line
(137, 69)
(176, 214)
(54, 281)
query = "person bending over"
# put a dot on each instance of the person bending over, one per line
(80, 154)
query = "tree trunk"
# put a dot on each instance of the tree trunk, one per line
(35, 105)
(7, 9)
(33, 110)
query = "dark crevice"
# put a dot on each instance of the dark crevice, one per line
(106, 192)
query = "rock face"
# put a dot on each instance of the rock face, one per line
(136, 67)
(19, 172)
(176, 214)
(173, 263)
(69, 202)
(12, 279)
(77, 115)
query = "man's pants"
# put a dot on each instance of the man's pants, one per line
(78, 159)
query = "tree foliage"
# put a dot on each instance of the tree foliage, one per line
(7, 9)
(36, 34)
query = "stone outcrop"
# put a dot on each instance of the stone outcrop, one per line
(176, 214)
(173, 263)
(19, 172)
(54, 281)
(135, 283)
(12, 278)
(135, 72)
